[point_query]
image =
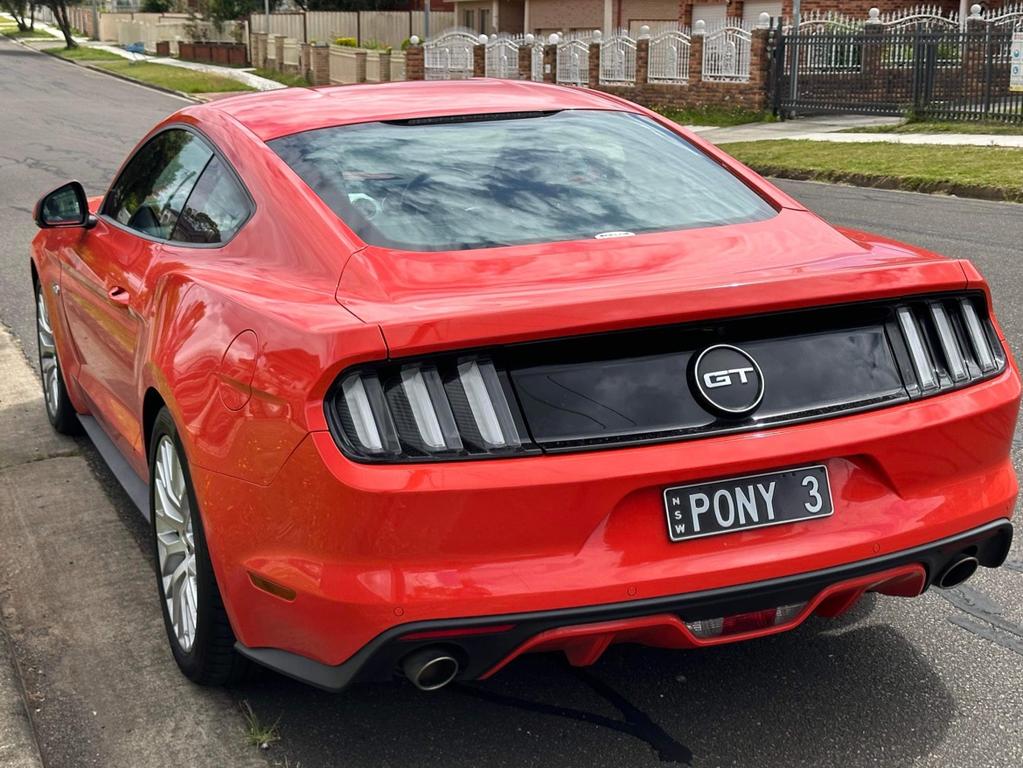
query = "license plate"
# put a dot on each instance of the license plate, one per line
(753, 501)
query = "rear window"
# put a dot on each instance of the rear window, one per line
(457, 183)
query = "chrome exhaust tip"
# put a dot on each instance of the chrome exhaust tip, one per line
(958, 572)
(430, 669)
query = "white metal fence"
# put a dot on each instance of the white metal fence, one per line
(618, 60)
(450, 55)
(727, 53)
(573, 60)
(502, 56)
(668, 59)
(536, 61)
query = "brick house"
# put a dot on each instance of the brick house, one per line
(546, 16)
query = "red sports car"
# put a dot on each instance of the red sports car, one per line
(417, 378)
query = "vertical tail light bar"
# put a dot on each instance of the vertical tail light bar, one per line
(488, 404)
(430, 408)
(917, 351)
(370, 419)
(949, 345)
(978, 339)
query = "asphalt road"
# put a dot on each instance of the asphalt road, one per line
(936, 681)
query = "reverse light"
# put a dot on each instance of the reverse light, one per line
(745, 622)
(978, 339)
(459, 408)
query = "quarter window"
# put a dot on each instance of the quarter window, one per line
(151, 191)
(215, 210)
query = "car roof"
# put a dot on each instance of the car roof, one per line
(273, 114)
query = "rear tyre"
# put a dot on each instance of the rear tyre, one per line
(197, 626)
(59, 410)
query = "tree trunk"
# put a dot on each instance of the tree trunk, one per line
(60, 13)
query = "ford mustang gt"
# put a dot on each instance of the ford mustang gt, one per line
(414, 379)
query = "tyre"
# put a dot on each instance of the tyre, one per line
(197, 627)
(59, 410)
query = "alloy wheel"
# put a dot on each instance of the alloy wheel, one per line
(49, 366)
(175, 542)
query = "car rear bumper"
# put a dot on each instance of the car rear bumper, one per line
(365, 551)
(583, 633)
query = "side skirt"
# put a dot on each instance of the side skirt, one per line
(133, 485)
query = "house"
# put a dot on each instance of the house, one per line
(541, 17)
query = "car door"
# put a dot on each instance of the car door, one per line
(103, 278)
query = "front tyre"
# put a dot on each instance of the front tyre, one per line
(59, 410)
(200, 635)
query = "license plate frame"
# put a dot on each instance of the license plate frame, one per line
(706, 521)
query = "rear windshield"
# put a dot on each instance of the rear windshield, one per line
(456, 183)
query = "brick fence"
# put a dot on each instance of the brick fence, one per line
(695, 93)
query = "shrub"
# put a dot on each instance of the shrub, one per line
(347, 42)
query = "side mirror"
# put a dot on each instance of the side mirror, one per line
(66, 206)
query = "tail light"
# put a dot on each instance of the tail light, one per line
(949, 342)
(459, 408)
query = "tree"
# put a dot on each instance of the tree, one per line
(21, 11)
(60, 15)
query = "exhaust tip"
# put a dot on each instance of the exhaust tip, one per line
(430, 669)
(958, 572)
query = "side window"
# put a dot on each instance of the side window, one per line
(215, 210)
(152, 189)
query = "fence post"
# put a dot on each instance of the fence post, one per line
(319, 64)
(479, 58)
(977, 61)
(304, 61)
(696, 52)
(526, 60)
(415, 63)
(643, 57)
(550, 63)
(279, 52)
(593, 66)
(759, 65)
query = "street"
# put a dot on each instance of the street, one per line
(935, 681)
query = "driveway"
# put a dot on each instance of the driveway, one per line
(936, 681)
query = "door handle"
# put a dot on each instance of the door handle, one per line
(118, 295)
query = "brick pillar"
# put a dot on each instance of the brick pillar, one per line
(759, 61)
(696, 58)
(479, 60)
(279, 52)
(360, 65)
(872, 50)
(975, 56)
(258, 53)
(593, 80)
(642, 60)
(415, 65)
(525, 62)
(550, 63)
(385, 66)
(319, 64)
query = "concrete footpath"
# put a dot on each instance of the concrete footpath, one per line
(842, 128)
(85, 671)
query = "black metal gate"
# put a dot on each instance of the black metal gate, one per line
(942, 75)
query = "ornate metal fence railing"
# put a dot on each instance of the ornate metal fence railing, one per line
(618, 60)
(502, 56)
(450, 55)
(573, 60)
(726, 54)
(668, 59)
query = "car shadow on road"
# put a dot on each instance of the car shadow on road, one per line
(842, 694)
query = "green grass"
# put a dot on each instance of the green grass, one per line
(84, 53)
(13, 31)
(986, 172)
(292, 81)
(175, 78)
(943, 127)
(714, 116)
